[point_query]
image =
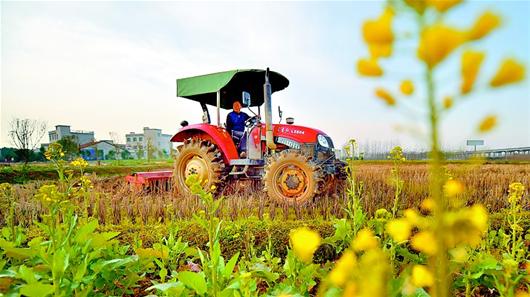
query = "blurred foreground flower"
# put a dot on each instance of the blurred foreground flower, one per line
(369, 67)
(399, 229)
(488, 123)
(421, 276)
(453, 187)
(378, 34)
(407, 87)
(343, 269)
(486, 23)
(448, 102)
(442, 5)
(509, 72)
(425, 242)
(437, 42)
(471, 61)
(365, 240)
(305, 242)
(385, 96)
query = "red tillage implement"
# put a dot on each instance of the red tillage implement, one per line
(151, 181)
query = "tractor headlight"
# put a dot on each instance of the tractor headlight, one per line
(323, 141)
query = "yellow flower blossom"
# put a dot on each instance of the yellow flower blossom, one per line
(485, 23)
(407, 87)
(478, 215)
(516, 191)
(304, 242)
(424, 242)
(437, 42)
(412, 216)
(365, 240)
(369, 67)
(427, 204)
(421, 276)
(448, 102)
(342, 269)
(399, 229)
(443, 5)
(470, 62)
(487, 124)
(453, 187)
(509, 72)
(79, 162)
(378, 34)
(351, 290)
(385, 96)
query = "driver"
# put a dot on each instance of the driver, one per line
(235, 124)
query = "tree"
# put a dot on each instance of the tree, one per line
(70, 147)
(115, 139)
(125, 155)
(151, 150)
(140, 152)
(111, 155)
(8, 154)
(25, 135)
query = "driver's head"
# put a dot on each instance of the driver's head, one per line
(236, 106)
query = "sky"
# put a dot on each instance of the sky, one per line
(111, 67)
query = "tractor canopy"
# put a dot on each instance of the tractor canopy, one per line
(230, 85)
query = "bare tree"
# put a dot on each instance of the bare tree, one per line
(25, 135)
(115, 139)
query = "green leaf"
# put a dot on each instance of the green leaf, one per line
(36, 290)
(194, 281)
(60, 262)
(230, 266)
(84, 233)
(27, 274)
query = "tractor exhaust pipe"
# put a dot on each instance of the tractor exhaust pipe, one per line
(267, 93)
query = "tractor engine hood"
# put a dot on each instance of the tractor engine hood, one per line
(300, 134)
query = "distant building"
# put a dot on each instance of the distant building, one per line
(100, 150)
(139, 144)
(62, 131)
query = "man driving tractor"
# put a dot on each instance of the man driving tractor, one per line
(235, 125)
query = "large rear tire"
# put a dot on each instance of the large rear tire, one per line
(202, 158)
(290, 178)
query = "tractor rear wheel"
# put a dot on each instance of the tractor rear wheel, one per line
(290, 178)
(201, 158)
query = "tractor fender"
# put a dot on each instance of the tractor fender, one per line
(217, 135)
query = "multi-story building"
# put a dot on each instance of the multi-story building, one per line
(151, 141)
(62, 131)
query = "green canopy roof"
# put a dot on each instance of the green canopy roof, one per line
(231, 83)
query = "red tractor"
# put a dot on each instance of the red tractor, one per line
(292, 163)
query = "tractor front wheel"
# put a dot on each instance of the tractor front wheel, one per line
(290, 178)
(201, 158)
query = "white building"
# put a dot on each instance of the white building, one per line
(100, 150)
(151, 140)
(62, 131)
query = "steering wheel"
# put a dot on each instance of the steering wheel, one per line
(251, 121)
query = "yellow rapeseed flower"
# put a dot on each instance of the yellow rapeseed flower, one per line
(443, 5)
(412, 216)
(478, 215)
(365, 240)
(516, 191)
(488, 123)
(437, 42)
(407, 87)
(509, 72)
(421, 276)
(399, 229)
(79, 162)
(485, 23)
(453, 187)
(427, 204)
(385, 96)
(378, 34)
(369, 67)
(470, 62)
(304, 242)
(448, 102)
(342, 269)
(424, 242)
